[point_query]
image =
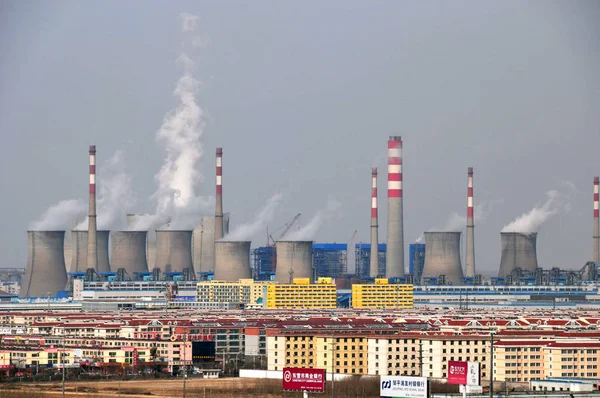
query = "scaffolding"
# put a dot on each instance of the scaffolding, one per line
(263, 262)
(363, 259)
(329, 259)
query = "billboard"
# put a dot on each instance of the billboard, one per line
(303, 379)
(403, 387)
(465, 373)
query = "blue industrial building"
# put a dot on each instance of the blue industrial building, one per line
(416, 260)
(363, 255)
(263, 260)
(330, 259)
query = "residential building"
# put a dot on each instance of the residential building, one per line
(382, 294)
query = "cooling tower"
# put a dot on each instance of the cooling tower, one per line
(232, 261)
(294, 260)
(173, 250)
(596, 221)
(442, 256)
(395, 220)
(470, 246)
(518, 250)
(203, 244)
(45, 273)
(128, 251)
(374, 256)
(79, 251)
(92, 249)
(219, 196)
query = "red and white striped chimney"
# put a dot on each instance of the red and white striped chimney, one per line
(374, 259)
(219, 198)
(92, 254)
(470, 257)
(395, 221)
(596, 222)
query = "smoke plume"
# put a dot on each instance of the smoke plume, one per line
(60, 216)
(180, 135)
(556, 202)
(457, 222)
(309, 231)
(115, 196)
(260, 221)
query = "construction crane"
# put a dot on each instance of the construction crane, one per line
(350, 252)
(286, 228)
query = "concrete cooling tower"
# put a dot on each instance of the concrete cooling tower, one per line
(173, 250)
(518, 251)
(232, 261)
(79, 251)
(442, 256)
(294, 260)
(128, 251)
(45, 273)
(203, 244)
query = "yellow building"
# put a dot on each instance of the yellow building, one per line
(302, 294)
(245, 291)
(382, 294)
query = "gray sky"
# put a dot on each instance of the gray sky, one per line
(302, 96)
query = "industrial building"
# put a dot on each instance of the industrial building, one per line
(363, 259)
(302, 294)
(246, 291)
(263, 263)
(382, 294)
(416, 260)
(330, 259)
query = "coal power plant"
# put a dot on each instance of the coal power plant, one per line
(442, 256)
(174, 251)
(79, 251)
(294, 260)
(128, 251)
(45, 273)
(232, 261)
(518, 251)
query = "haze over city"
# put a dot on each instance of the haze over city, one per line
(302, 98)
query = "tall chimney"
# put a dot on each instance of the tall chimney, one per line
(219, 201)
(92, 255)
(470, 257)
(374, 264)
(596, 222)
(395, 227)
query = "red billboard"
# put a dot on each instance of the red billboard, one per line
(457, 372)
(303, 379)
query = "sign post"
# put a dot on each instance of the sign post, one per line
(403, 387)
(464, 373)
(304, 379)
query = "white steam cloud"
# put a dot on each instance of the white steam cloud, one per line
(309, 231)
(260, 221)
(556, 202)
(457, 222)
(115, 196)
(180, 135)
(60, 216)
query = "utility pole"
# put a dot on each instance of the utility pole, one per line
(62, 361)
(332, 365)
(421, 358)
(492, 365)
(184, 364)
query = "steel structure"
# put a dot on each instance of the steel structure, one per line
(416, 254)
(262, 262)
(518, 251)
(329, 259)
(442, 256)
(395, 216)
(232, 261)
(45, 273)
(362, 254)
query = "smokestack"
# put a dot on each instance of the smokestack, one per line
(374, 259)
(79, 251)
(219, 198)
(596, 222)
(92, 255)
(45, 273)
(232, 261)
(174, 250)
(128, 250)
(470, 256)
(442, 256)
(395, 227)
(294, 260)
(518, 251)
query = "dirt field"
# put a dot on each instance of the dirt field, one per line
(195, 388)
